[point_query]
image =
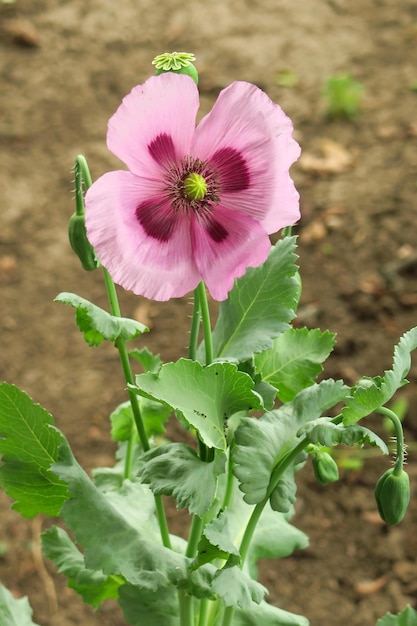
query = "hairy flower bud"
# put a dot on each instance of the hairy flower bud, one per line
(79, 243)
(325, 468)
(392, 494)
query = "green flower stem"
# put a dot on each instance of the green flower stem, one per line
(201, 312)
(194, 536)
(124, 358)
(203, 613)
(82, 175)
(205, 315)
(206, 454)
(186, 608)
(230, 482)
(275, 476)
(127, 371)
(399, 436)
(195, 327)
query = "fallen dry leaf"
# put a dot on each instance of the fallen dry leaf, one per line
(333, 159)
(314, 231)
(22, 33)
(368, 587)
(145, 312)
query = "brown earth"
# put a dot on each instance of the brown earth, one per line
(65, 66)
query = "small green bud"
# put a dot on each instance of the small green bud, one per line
(392, 494)
(325, 468)
(177, 62)
(79, 242)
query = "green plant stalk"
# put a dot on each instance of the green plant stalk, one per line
(399, 437)
(201, 313)
(230, 482)
(195, 327)
(186, 608)
(257, 512)
(205, 315)
(128, 375)
(82, 174)
(203, 613)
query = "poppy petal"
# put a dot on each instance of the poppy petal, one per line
(224, 246)
(158, 268)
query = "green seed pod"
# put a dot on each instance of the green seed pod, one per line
(392, 494)
(80, 244)
(177, 62)
(325, 468)
(190, 70)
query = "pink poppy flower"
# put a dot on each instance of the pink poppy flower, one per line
(197, 203)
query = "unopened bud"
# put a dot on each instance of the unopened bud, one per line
(325, 468)
(392, 494)
(79, 242)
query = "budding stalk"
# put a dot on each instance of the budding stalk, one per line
(392, 491)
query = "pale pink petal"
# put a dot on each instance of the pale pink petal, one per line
(155, 123)
(245, 121)
(225, 244)
(158, 269)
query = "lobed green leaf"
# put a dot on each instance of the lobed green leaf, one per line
(14, 612)
(206, 397)
(237, 589)
(121, 537)
(150, 362)
(142, 607)
(274, 536)
(29, 444)
(176, 470)
(372, 393)
(324, 432)
(295, 360)
(93, 586)
(154, 415)
(407, 617)
(260, 306)
(216, 541)
(268, 615)
(260, 444)
(97, 324)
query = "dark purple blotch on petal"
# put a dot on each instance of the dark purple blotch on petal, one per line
(217, 231)
(162, 150)
(156, 218)
(232, 169)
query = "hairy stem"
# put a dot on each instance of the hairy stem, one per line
(399, 438)
(205, 315)
(195, 327)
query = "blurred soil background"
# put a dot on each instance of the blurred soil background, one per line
(64, 66)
